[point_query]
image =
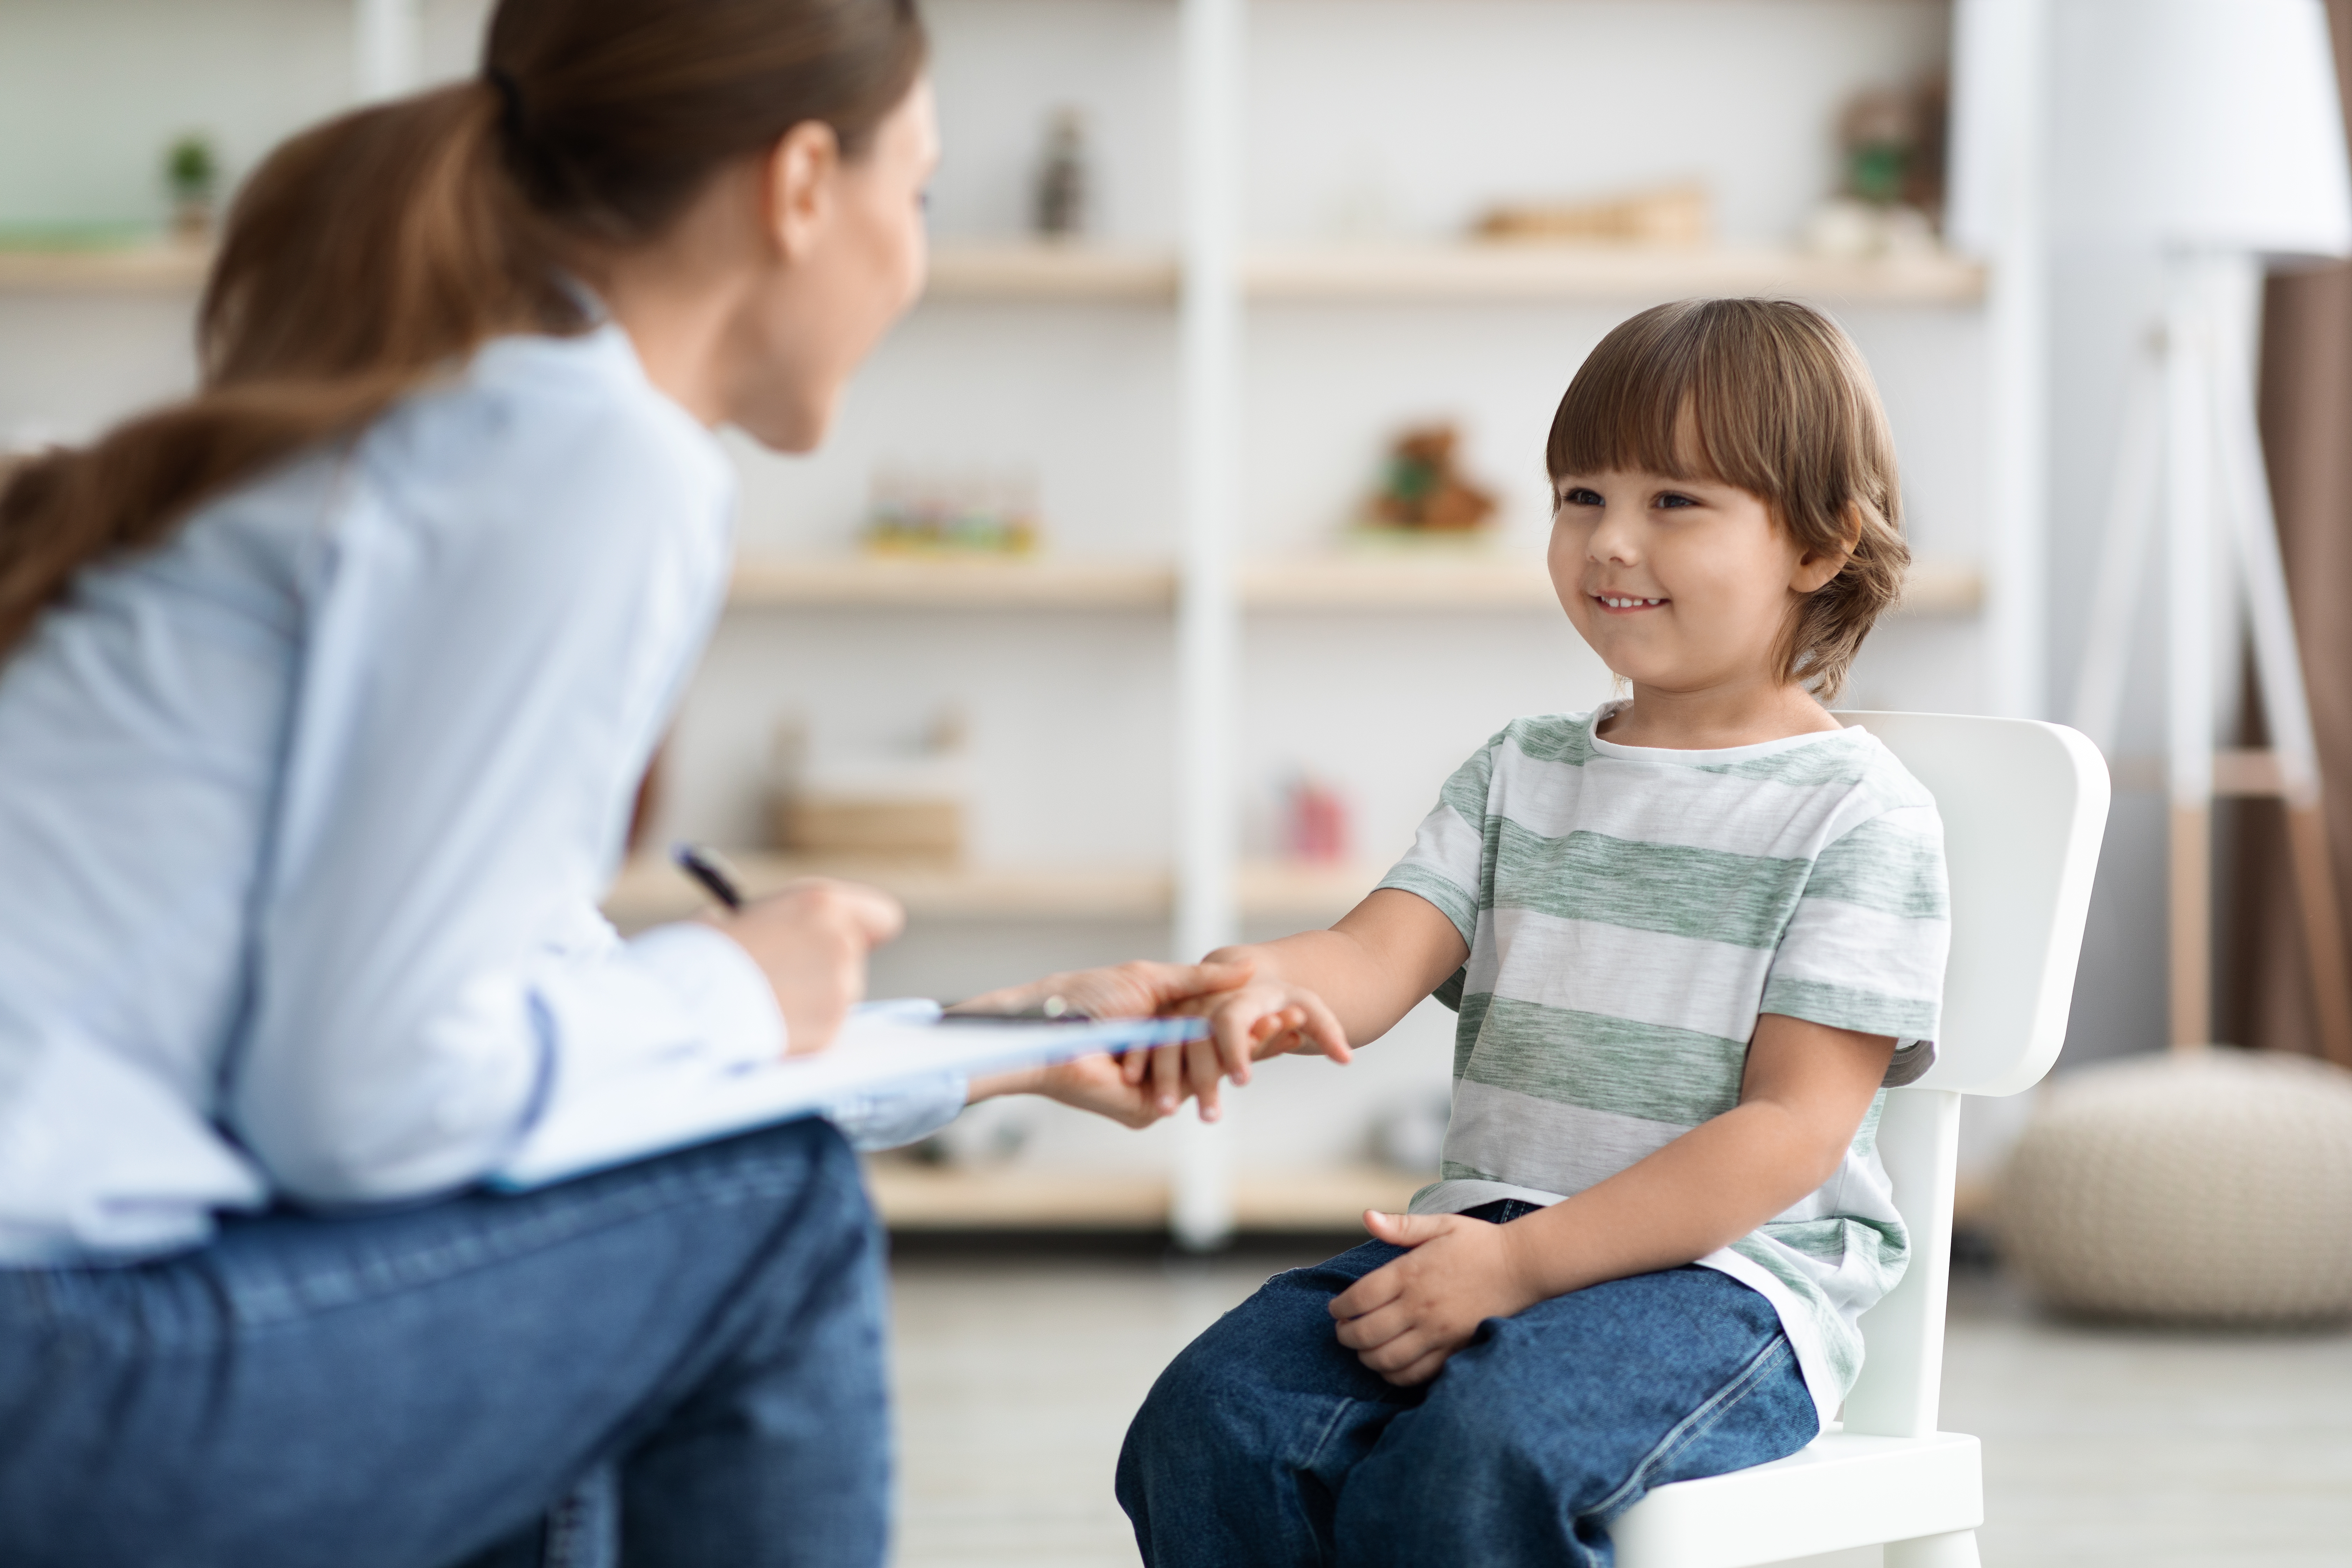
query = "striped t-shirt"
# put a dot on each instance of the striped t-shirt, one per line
(1629, 912)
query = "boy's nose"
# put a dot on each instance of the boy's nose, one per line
(1614, 541)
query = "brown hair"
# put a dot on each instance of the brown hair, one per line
(378, 250)
(1771, 396)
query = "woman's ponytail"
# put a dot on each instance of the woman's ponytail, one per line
(379, 249)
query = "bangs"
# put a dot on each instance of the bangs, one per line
(1634, 406)
(1712, 389)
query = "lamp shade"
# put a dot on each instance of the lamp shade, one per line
(2200, 125)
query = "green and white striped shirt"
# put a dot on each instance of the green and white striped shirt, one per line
(1630, 911)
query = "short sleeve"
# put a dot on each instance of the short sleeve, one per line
(1446, 864)
(1865, 949)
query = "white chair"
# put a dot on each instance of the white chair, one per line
(2023, 805)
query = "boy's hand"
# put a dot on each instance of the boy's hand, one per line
(1097, 1083)
(1246, 1023)
(1404, 1319)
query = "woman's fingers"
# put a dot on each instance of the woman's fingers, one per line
(1166, 1077)
(1205, 1076)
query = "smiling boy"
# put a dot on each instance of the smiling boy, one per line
(1690, 937)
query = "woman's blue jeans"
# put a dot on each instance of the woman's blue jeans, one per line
(1267, 1442)
(680, 1362)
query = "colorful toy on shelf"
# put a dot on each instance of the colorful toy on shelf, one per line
(1058, 209)
(1422, 491)
(1315, 822)
(192, 176)
(901, 802)
(1892, 158)
(973, 514)
(1679, 213)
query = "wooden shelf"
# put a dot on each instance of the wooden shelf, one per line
(138, 270)
(650, 890)
(1013, 270)
(1942, 588)
(1407, 579)
(1570, 273)
(932, 1198)
(1413, 578)
(978, 583)
(1336, 274)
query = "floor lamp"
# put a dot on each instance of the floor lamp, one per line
(2200, 1185)
(2216, 134)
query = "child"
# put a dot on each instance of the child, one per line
(1690, 936)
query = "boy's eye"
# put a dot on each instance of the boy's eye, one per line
(1671, 498)
(1577, 495)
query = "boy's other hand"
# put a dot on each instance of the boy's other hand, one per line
(1246, 1023)
(1404, 1318)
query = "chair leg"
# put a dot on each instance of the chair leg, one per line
(1958, 1549)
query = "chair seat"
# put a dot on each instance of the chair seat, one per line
(1840, 1490)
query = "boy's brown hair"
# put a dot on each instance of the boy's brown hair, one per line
(1771, 396)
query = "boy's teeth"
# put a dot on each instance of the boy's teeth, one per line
(1620, 604)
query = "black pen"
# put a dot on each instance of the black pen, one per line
(1052, 1010)
(707, 867)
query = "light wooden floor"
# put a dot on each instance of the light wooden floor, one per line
(1017, 1375)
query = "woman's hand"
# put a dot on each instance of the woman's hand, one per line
(1095, 1083)
(811, 940)
(1133, 990)
(1404, 1318)
(1248, 1024)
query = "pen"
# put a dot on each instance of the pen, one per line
(707, 867)
(1052, 1010)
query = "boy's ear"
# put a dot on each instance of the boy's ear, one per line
(1815, 568)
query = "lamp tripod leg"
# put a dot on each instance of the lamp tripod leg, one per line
(2278, 665)
(2191, 874)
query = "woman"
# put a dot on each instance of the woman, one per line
(324, 698)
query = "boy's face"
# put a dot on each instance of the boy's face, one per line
(1682, 585)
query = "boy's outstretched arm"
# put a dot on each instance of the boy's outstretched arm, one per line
(1806, 1090)
(1325, 990)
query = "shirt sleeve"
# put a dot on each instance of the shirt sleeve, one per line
(1446, 864)
(906, 1115)
(501, 613)
(1865, 949)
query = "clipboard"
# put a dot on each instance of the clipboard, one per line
(882, 1045)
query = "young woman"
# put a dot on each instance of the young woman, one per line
(323, 695)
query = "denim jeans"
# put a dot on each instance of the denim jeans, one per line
(678, 1363)
(1266, 1441)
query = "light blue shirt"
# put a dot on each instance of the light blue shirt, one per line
(305, 814)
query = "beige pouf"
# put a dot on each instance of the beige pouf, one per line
(2208, 1187)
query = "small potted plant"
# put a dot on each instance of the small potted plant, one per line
(192, 175)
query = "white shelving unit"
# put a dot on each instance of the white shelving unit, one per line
(1216, 600)
(1412, 579)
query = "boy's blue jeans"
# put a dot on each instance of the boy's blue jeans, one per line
(686, 1353)
(1267, 1442)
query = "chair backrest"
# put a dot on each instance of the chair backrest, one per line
(2025, 807)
